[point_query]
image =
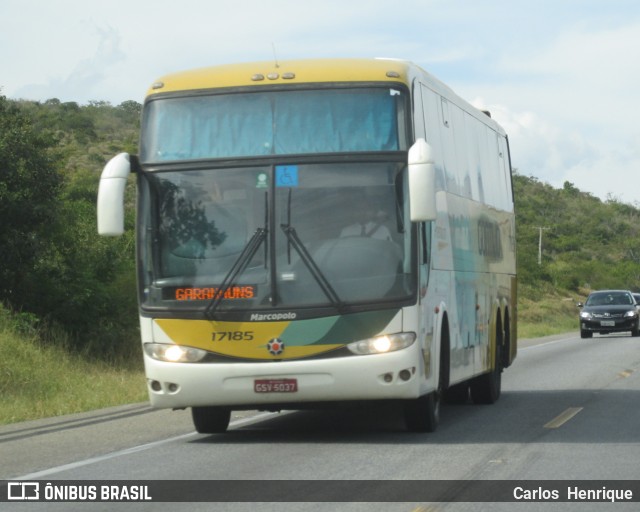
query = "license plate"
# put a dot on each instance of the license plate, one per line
(607, 323)
(275, 385)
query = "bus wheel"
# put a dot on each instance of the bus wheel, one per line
(423, 414)
(210, 420)
(486, 388)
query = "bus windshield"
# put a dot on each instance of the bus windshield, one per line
(305, 235)
(246, 124)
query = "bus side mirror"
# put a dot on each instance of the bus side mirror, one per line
(422, 182)
(111, 195)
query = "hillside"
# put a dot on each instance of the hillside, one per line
(586, 243)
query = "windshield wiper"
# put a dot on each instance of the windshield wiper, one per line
(307, 259)
(239, 266)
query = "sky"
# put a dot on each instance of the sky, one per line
(561, 76)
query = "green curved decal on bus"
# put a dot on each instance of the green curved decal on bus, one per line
(254, 340)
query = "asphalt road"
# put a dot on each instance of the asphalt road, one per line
(569, 411)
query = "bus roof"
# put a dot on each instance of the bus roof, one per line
(288, 72)
(309, 71)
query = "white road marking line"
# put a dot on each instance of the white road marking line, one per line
(545, 344)
(134, 449)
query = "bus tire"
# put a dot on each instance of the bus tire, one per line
(210, 420)
(423, 413)
(506, 345)
(486, 388)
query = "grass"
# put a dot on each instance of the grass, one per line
(542, 313)
(42, 380)
(39, 380)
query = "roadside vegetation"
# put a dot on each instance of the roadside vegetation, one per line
(40, 376)
(69, 337)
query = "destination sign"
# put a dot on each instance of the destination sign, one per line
(189, 293)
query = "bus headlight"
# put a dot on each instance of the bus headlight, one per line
(174, 353)
(382, 344)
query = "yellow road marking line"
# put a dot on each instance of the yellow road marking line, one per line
(561, 419)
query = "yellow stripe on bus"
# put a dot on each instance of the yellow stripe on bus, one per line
(237, 339)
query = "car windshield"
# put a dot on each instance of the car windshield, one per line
(307, 235)
(609, 299)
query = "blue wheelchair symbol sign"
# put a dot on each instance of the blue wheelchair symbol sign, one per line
(286, 176)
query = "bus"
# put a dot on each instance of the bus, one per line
(318, 233)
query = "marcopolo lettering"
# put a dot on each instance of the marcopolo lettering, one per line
(257, 317)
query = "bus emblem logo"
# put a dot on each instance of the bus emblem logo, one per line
(275, 347)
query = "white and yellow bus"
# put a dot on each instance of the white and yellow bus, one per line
(317, 233)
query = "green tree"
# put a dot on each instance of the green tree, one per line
(86, 283)
(29, 187)
(54, 263)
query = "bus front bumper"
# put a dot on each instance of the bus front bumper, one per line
(394, 375)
